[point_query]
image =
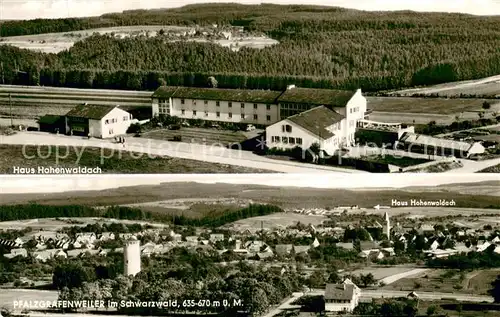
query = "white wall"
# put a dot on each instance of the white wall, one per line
(336, 307)
(353, 111)
(209, 110)
(120, 125)
(308, 138)
(476, 148)
(132, 258)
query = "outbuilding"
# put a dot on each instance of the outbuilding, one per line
(98, 121)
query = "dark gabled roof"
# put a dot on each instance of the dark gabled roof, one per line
(316, 120)
(96, 112)
(50, 119)
(339, 291)
(324, 97)
(164, 92)
(235, 95)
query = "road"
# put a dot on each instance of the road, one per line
(215, 153)
(470, 166)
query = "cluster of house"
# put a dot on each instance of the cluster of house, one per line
(322, 211)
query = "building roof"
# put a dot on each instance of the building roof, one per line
(95, 112)
(339, 291)
(420, 139)
(49, 119)
(317, 120)
(325, 97)
(236, 95)
(164, 92)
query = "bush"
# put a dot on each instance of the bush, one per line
(177, 138)
(134, 128)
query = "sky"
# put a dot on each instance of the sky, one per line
(31, 9)
(55, 184)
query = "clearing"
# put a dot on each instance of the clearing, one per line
(9, 296)
(436, 280)
(124, 162)
(58, 42)
(277, 220)
(479, 282)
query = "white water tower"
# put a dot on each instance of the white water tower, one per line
(132, 257)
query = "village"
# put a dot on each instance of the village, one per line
(370, 252)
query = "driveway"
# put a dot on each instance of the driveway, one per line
(201, 152)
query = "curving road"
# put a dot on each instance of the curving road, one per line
(202, 152)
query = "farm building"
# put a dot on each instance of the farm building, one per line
(419, 143)
(97, 121)
(51, 123)
(261, 107)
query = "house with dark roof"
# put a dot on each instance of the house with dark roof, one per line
(319, 125)
(262, 107)
(97, 121)
(341, 297)
(51, 123)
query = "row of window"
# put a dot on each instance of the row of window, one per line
(229, 104)
(286, 140)
(115, 120)
(230, 115)
(355, 109)
(294, 106)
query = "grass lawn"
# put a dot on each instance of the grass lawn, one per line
(446, 281)
(424, 105)
(122, 162)
(423, 305)
(198, 135)
(491, 169)
(398, 161)
(479, 282)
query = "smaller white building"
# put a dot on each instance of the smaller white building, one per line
(98, 121)
(318, 125)
(341, 297)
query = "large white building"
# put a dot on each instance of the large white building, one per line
(97, 121)
(262, 107)
(341, 297)
(132, 257)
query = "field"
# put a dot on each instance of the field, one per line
(123, 162)
(486, 87)
(440, 280)
(277, 220)
(8, 296)
(51, 224)
(58, 42)
(380, 273)
(424, 110)
(198, 135)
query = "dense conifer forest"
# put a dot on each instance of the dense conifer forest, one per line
(319, 47)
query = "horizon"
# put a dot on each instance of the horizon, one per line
(58, 184)
(53, 9)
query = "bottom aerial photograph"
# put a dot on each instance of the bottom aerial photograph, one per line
(246, 246)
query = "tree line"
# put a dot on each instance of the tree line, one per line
(33, 211)
(318, 47)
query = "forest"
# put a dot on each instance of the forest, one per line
(34, 211)
(320, 47)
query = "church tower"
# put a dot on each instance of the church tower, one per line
(132, 257)
(387, 226)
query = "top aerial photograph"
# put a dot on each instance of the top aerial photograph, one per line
(120, 87)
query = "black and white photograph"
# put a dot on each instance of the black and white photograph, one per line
(120, 87)
(250, 246)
